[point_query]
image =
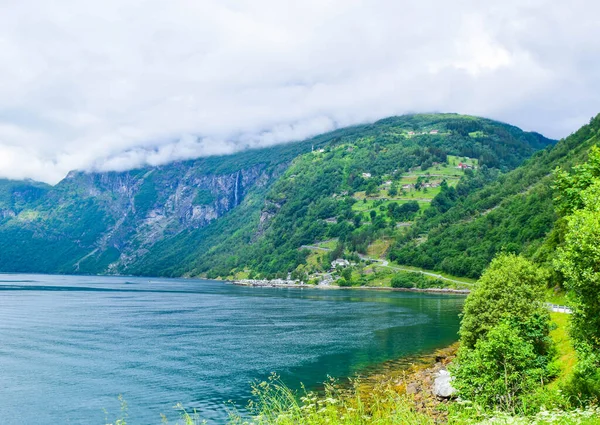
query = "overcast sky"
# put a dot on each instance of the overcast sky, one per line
(114, 84)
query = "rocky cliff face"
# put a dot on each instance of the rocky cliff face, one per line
(127, 222)
(103, 222)
(148, 205)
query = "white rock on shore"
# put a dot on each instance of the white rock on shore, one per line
(442, 385)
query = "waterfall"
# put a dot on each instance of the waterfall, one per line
(235, 194)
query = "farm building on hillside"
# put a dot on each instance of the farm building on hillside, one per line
(340, 262)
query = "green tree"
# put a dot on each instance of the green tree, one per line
(372, 188)
(577, 197)
(579, 261)
(393, 190)
(419, 183)
(499, 369)
(347, 274)
(343, 282)
(506, 347)
(337, 252)
(403, 280)
(569, 187)
(512, 286)
(357, 219)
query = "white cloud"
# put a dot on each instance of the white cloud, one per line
(120, 83)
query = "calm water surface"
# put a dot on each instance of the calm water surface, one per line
(70, 344)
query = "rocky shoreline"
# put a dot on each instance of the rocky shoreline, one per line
(423, 379)
(280, 283)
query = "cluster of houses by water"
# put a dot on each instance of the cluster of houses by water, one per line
(325, 279)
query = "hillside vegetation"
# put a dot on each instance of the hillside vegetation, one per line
(512, 214)
(250, 214)
(365, 184)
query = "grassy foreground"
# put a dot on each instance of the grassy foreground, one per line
(276, 404)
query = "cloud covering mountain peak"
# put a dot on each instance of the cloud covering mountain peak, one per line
(119, 84)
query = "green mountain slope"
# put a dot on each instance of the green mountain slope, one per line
(513, 214)
(100, 222)
(323, 186)
(254, 210)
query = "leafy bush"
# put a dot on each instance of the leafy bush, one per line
(500, 369)
(404, 280)
(344, 283)
(505, 349)
(579, 261)
(512, 286)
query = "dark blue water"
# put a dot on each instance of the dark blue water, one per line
(70, 345)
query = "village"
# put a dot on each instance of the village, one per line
(415, 186)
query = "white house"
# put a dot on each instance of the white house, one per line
(339, 262)
(366, 175)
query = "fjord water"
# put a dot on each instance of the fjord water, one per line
(71, 344)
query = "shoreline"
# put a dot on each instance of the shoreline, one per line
(284, 284)
(412, 377)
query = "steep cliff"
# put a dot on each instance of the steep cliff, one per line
(103, 222)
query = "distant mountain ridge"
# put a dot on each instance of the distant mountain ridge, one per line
(251, 210)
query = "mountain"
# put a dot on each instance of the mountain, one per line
(515, 213)
(254, 210)
(101, 222)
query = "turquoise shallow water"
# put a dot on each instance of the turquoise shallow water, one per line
(71, 344)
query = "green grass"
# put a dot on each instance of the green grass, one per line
(275, 404)
(369, 205)
(313, 258)
(378, 248)
(556, 297)
(590, 416)
(566, 356)
(328, 244)
(465, 280)
(452, 159)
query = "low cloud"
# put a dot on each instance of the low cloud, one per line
(118, 84)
